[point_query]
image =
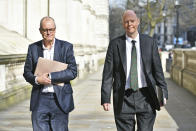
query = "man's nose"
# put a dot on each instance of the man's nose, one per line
(48, 31)
(129, 23)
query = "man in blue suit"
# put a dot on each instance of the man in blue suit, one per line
(50, 104)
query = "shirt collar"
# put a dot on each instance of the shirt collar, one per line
(129, 39)
(43, 46)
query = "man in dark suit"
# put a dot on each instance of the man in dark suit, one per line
(50, 104)
(133, 69)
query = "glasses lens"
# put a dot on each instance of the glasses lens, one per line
(48, 30)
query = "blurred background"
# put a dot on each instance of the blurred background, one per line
(171, 22)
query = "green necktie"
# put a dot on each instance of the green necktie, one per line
(133, 72)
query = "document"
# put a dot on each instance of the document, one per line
(48, 66)
(160, 95)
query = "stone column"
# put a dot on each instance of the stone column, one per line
(102, 30)
(59, 11)
(36, 9)
(177, 66)
(76, 20)
(12, 15)
(4, 12)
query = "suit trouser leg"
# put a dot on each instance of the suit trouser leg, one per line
(48, 116)
(125, 122)
(145, 120)
(136, 105)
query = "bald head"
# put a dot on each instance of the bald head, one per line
(130, 23)
(129, 13)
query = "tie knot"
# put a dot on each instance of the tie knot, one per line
(133, 42)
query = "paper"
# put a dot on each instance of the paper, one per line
(48, 66)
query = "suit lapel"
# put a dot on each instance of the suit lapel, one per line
(57, 51)
(122, 52)
(143, 50)
(40, 50)
(56, 57)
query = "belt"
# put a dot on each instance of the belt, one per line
(47, 93)
(129, 91)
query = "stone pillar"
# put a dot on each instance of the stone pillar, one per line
(12, 15)
(4, 12)
(59, 11)
(102, 28)
(189, 70)
(76, 20)
(177, 66)
(86, 14)
(36, 9)
(184, 69)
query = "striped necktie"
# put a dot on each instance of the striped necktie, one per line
(133, 71)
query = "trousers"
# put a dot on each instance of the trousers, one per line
(48, 116)
(136, 108)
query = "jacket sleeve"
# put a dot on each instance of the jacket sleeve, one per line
(158, 71)
(107, 78)
(28, 68)
(68, 74)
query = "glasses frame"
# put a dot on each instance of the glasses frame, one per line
(48, 30)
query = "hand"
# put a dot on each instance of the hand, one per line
(44, 79)
(106, 106)
(164, 102)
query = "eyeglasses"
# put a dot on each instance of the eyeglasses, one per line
(48, 30)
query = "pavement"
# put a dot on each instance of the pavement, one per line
(178, 115)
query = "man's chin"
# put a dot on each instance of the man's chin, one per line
(130, 33)
(48, 40)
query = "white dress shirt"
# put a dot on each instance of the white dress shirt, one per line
(47, 54)
(141, 77)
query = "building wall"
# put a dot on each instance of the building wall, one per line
(183, 70)
(84, 23)
(78, 21)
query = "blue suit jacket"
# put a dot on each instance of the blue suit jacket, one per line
(63, 52)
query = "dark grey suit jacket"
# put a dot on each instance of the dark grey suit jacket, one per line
(115, 67)
(63, 52)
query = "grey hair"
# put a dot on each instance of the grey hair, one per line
(46, 18)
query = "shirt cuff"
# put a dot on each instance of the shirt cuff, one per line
(36, 81)
(49, 75)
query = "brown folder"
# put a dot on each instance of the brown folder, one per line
(48, 66)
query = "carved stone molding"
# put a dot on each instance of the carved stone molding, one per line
(79, 1)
